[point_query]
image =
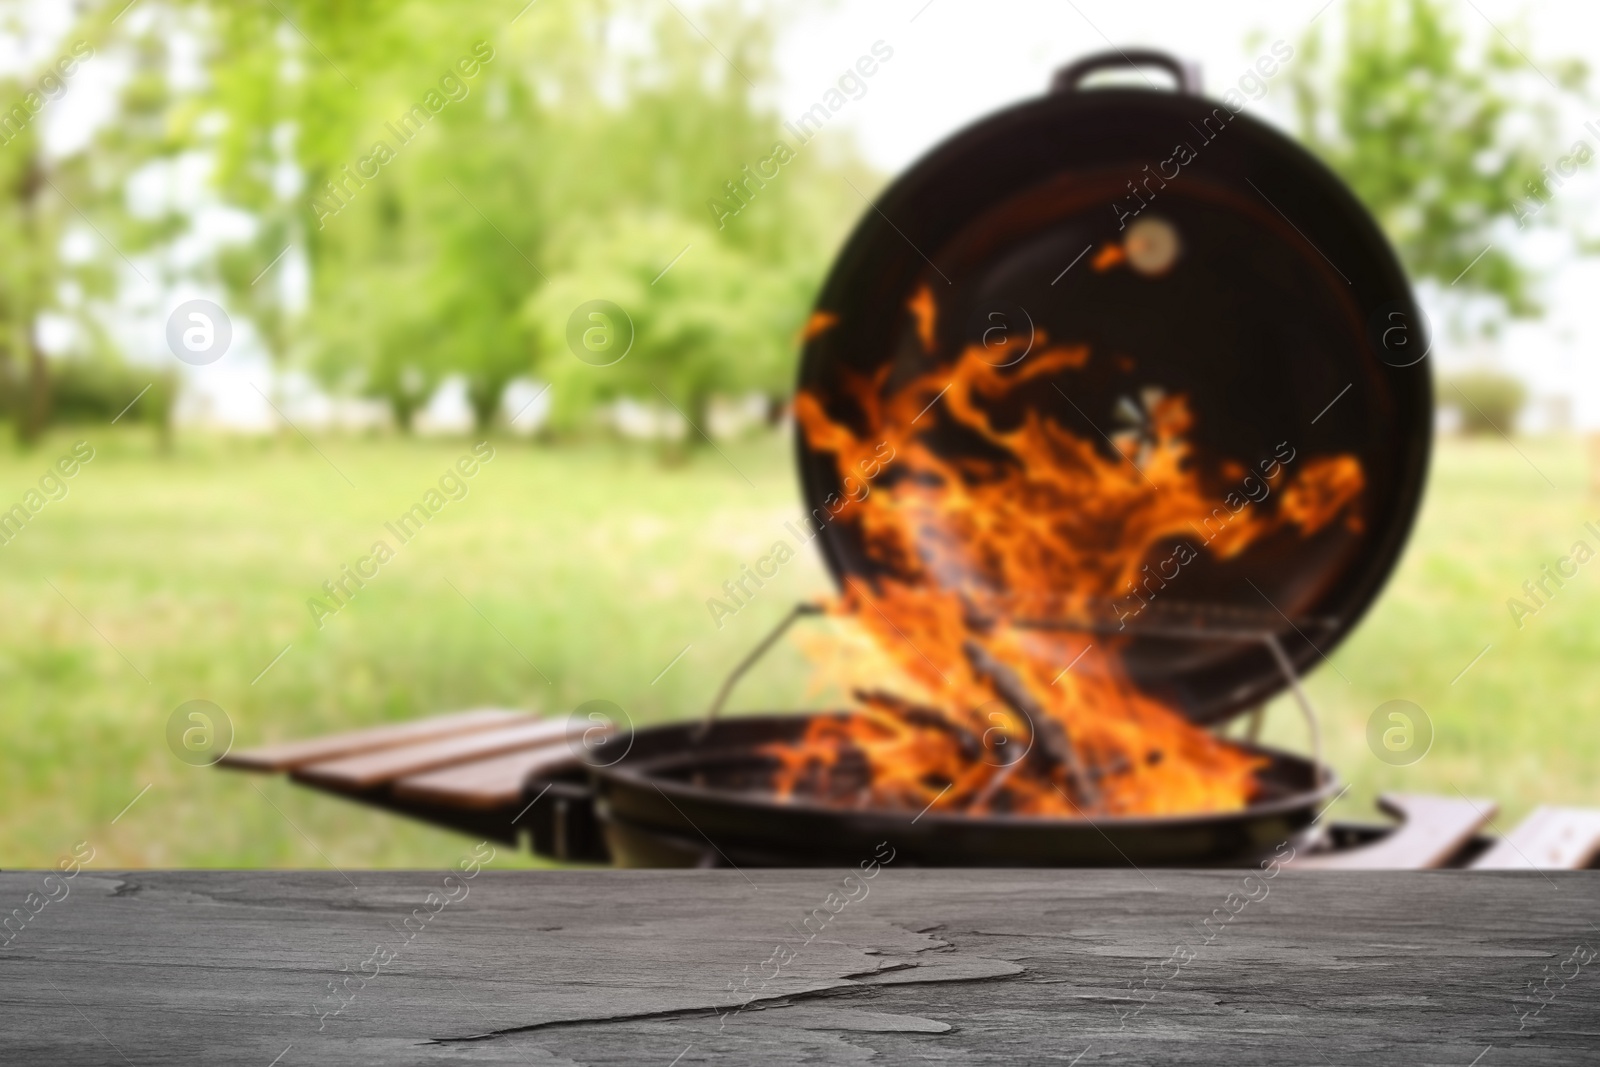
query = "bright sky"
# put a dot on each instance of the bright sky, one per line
(955, 60)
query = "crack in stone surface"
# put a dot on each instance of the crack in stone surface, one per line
(858, 983)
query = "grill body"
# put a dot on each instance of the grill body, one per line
(677, 799)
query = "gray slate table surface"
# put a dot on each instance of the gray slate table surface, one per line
(649, 967)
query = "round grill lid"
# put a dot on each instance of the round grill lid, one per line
(1145, 367)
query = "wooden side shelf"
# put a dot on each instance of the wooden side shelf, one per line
(1548, 839)
(294, 754)
(465, 771)
(1431, 831)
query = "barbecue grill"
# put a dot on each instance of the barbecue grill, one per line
(1247, 282)
(1197, 254)
(480, 773)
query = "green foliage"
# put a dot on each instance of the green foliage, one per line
(717, 321)
(574, 148)
(99, 390)
(313, 104)
(1487, 401)
(529, 179)
(1438, 138)
(50, 199)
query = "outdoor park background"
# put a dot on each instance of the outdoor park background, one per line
(374, 344)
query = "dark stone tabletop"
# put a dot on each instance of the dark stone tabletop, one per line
(771, 967)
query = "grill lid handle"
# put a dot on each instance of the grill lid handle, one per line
(1186, 74)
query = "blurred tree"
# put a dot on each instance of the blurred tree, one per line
(703, 319)
(572, 121)
(31, 228)
(577, 163)
(64, 218)
(1486, 401)
(715, 302)
(420, 251)
(1444, 142)
(299, 91)
(100, 388)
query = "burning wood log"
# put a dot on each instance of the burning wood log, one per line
(920, 715)
(1052, 747)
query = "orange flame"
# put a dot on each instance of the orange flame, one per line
(926, 313)
(962, 706)
(818, 324)
(1108, 256)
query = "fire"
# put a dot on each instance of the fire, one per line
(1108, 257)
(963, 706)
(818, 324)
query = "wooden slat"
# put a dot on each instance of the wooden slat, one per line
(375, 768)
(1432, 830)
(1549, 839)
(292, 754)
(482, 784)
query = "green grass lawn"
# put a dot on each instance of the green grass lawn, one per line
(159, 580)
